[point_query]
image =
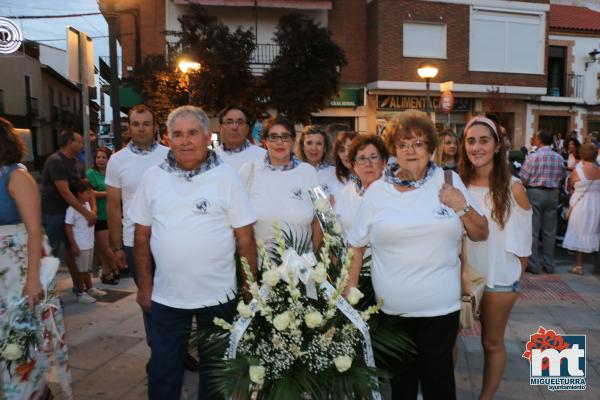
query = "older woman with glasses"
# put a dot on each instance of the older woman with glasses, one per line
(278, 187)
(367, 156)
(413, 222)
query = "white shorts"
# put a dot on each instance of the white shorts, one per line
(84, 260)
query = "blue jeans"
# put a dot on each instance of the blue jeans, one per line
(170, 328)
(54, 225)
(131, 267)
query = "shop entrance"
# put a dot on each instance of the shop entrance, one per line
(554, 125)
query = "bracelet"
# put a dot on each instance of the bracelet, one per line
(465, 210)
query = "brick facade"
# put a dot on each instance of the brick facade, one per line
(347, 21)
(385, 59)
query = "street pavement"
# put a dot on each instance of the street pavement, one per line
(108, 352)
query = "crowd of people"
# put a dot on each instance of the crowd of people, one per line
(174, 213)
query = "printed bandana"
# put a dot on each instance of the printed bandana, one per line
(390, 177)
(294, 162)
(170, 165)
(136, 150)
(243, 147)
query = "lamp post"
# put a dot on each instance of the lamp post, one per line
(186, 66)
(427, 72)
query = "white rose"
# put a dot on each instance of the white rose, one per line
(321, 204)
(270, 277)
(257, 374)
(354, 296)
(319, 274)
(313, 319)
(337, 228)
(342, 363)
(282, 321)
(12, 352)
(244, 310)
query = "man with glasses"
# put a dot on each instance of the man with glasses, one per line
(235, 149)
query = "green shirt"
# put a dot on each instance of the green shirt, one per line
(96, 179)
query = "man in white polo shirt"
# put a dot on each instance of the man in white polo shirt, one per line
(189, 212)
(235, 149)
(123, 174)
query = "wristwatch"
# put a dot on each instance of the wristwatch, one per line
(465, 210)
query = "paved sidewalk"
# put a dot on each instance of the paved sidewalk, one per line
(109, 353)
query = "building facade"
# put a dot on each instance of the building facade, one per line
(572, 101)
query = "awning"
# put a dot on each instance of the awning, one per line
(296, 4)
(128, 97)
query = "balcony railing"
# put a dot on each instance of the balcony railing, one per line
(32, 106)
(573, 87)
(264, 54)
(54, 113)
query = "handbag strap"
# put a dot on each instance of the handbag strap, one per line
(250, 177)
(582, 194)
(463, 245)
(448, 176)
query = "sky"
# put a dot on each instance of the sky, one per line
(52, 32)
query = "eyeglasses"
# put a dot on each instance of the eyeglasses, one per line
(362, 160)
(418, 145)
(230, 122)
(285, 138)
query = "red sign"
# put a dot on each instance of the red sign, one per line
(447, 102)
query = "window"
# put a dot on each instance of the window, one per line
(422, 39)
(506, 42)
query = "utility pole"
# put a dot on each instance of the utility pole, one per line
(115, 101)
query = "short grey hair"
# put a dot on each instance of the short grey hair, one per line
(194, 111)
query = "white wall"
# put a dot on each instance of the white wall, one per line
(55, 58)
(243, 16)
(583, 45)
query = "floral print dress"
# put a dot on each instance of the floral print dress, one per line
(28, 380)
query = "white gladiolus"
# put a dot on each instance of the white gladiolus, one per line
(257, 374)
(319, 274)
(342, 363)
(313, 319)
(244, 310)
(270, 277)
(282, 321)
(354, 296)
(12, 352)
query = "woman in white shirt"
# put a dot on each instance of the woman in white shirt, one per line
(368, 156)
(503, 256)
(314, 148)
(414, 222)
(278, 187)
(343, 166)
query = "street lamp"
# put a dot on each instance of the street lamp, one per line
(185, 66)
(427, 72)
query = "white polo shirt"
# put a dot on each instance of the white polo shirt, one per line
(192, 240)
(124, 171)
(415, 242)
(236, 160)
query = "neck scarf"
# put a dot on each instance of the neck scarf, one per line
(294, 162)
(170, 165)
(390, 176)
(243, 147)
(322, 165)
(137, 150)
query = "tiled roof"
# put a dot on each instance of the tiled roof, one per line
(574, 18)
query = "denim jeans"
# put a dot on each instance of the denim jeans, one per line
(170, 327)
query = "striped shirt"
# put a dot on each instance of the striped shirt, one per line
(543, 168)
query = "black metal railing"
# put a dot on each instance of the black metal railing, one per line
(32, 105)
(574, 85)
(264, 54)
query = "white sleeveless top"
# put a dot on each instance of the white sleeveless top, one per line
(497, 258)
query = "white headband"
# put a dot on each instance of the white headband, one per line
(483, 120)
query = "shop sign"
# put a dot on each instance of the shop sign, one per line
(347, 98)
(447, 102)
(400, 103)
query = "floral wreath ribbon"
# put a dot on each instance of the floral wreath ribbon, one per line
(301, 267)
